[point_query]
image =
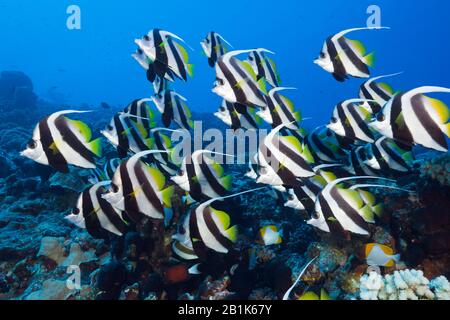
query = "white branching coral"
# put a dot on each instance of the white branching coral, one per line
(403, 285)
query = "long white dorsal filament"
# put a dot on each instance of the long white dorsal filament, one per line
(288, 292)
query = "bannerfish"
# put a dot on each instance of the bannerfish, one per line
(387, 155)
(236, 81)
(182, 245)
(173, 107)
(279, 110)
(264, 67)
(97, 215)
(325, 146)
(127, 135)
(214, 47)
(104, 173)
(162, 160)
(59, 141)
(351, 119)
(381, 92)
(270, 235)
(140, 112)
(355, 163)
(238, 116)
(168, 56)
(139, 189)
(412, 118)
(343, 57)
(202, 177)
(380, 255)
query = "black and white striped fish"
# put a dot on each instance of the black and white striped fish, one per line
(381, 92)
(173, 107)
(325, 146)
(59, 141)
(139, 189)
(279, 110)
(127, 135)
(168, 56)
(343, 57)
(412, 118)
(290, 153)
(238, 116)
(214, 47)
(346, 206)
(148, 66)
(202, 177)
(182, 245)
(351, 119)
(236, 81)
(97, 215)
(140, 112)
(160, 84)
(162, 160)
(388, 156)
(355, 163)
(264, 67)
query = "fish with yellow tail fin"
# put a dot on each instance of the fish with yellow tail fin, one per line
(139, 189)
(202, 177)
(264, 67)
(214, 46)
(380, 255)
(58, 141)
(379, 91)
(311, 295)
(326, 146)
(166, 52)
(141, 113)
(270, 235)
(237, 82)
(412, 118)
(238, 116)
(173, 107)
(343, 57)
(96, 215)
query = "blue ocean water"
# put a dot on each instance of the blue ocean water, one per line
(94, 64)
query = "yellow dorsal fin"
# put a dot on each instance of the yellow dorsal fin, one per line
(141, 129)
(222, 218)
(292, 141)
(226, 182)
(96, 147)
(370, 59)
(183, 52)
(386, 87)
(306, 154)
(158, 177)
(358, 46)
(439, 108)
(218, 169)
(247, 67)
(262, 85)
(309, 296)
(378, 209)
(81, 127)
(367, 214)
(186, 109)
(352, 196)
(166, 196)
(232, 233)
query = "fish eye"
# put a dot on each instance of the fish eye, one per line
(146, 38)
(158, 96)
(109, 127)
(263, 108)
(322, 55)
(370, 157)
(139, 51)
(333, 120)
(250, 58)
(223, 109)
(218, 82)
(291, 198)
(180, 173)
(380, 117)
(114, 188)
(207, 40)
(31, 144)
(75, 211)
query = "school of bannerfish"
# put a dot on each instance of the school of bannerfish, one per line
(367, 144)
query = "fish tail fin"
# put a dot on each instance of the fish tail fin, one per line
(232, 233)
(370, 59)
(262, 85)
(96, 147)
(167, 194)
(226, 181)
(446, 129)
(190, 70)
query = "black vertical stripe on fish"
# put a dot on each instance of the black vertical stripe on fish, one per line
(391, 153)
(259, 65)
(181, 113)
(303, 197)
(360, 122)
(194, 186)
(272, 74)
(339, 73)
(160, 63)
(178, 60)
(276, 119)
(243, 75)
(54, 157)
(235, 122)
(348, 129)
(211, 179)
(238, 92)
(284, 108)
(357, 62)
(349, 211)
(110, 212)
(199, 248)
(384, 166)
(427, 122)
(400, 131)
(72, 140)
(317, 143)
(381, 93)
(150, 73)
(91, 221)
(147, 188)
(214, 230)
(293, 156)
(219, 45)
(249, 119)
(366, 94)
(135, 134)
(212, 60)
(131, 205)
(328, 215)
(123, 142)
